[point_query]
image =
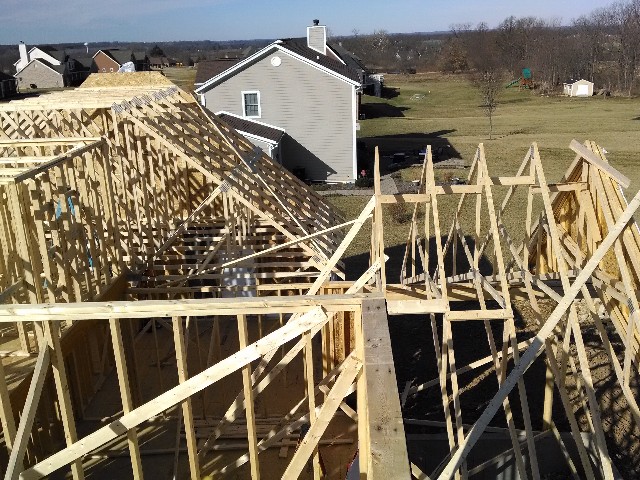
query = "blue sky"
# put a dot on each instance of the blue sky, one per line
(60, 21)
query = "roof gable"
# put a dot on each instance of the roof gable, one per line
(299, 46)
(53, 53)
(59, 69)
(300, 52)
(118, 56)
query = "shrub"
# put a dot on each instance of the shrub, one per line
(364, 182)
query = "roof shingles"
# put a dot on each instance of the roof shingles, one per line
(299, 46)
(209, 69)
(252, 128)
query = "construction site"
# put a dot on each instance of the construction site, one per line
(175, 304)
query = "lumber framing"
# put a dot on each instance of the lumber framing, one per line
(131, 210)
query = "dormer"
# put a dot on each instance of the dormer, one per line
(317, 37)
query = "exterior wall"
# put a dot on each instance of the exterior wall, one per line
(40, 75)
(314, 108)
(576, 86)
(103, 63)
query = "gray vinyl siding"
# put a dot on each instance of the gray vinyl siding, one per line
(313, 107)
(39, 75)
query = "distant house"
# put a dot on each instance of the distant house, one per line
(8, 86)
(110, 60)
(233, 53)
(49, 54)
(302, 87)
(162, 62)
(578, 88)
(41, 74)
(48, 67)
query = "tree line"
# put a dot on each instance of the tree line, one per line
(603, 47)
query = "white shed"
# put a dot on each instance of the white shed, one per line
(578, 88)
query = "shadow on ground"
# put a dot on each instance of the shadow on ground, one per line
(412, 145)
(414, 356)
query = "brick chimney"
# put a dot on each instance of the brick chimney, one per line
(317, 37)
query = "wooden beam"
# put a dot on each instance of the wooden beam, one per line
(326, 413)
(176, 394)
(31, 142)
(596, 161)
(74, 152)
(387, 447)
(6, 412)
(171, 308)
(28, 414)
(464, 315)
(187, 410)
(252, 438)
(125, 393)
(408, 306)
(538, 342)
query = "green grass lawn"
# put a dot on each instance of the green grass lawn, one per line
(448, 107)
(181, 76)
(433, 108)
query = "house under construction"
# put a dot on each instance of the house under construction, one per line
(173, 304)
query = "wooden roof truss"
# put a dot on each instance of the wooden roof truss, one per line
(125, 205)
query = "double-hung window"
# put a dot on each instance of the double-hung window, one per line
(251, 104)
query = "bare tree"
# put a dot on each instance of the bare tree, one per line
(490, 85)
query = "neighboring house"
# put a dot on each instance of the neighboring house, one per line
(39, 73)
(578, 88)
(8, 86)
(49, 54)
(162, 62)
(48, 67)
(233, 53)
(110, 60)
(303, 87)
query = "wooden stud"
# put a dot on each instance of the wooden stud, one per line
(249, 402)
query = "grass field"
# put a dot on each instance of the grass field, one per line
(181, 76)
(438, 109)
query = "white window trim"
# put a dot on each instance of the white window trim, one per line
(244, 111)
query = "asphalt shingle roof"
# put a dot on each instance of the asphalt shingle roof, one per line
(210, 68)
(257, 129)
(351, 59)
(299, 46)
(120, 56)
